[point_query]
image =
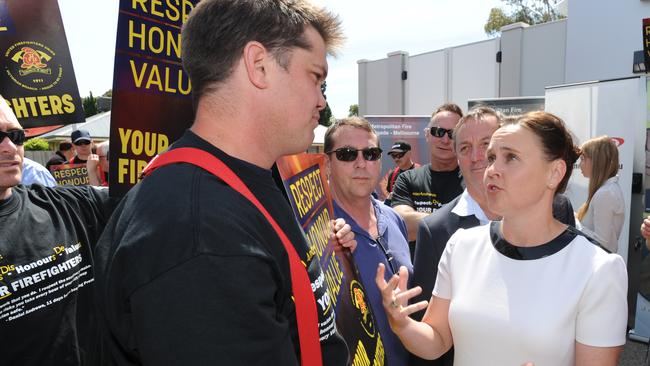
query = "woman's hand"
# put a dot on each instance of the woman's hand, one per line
(395, 297)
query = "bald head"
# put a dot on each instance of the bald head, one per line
(6, 114)
(11, 150)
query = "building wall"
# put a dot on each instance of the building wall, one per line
(373, 87)
(381, 88)
(595, 42)
(601, 38)
(427, 82)
(543, 57)
(474, 72)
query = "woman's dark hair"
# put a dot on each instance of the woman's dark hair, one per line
(555, 138)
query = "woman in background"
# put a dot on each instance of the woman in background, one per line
(524, 289)
(603, 214)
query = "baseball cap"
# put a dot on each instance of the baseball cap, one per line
(79, 135)
(400, 147)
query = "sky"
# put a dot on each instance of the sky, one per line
(373, 29)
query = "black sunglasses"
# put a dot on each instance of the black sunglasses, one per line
(350, 154)
(82, 142)
(439, 132)
(15, 136)
(397, 155)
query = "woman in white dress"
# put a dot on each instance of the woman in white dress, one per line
(527, 289)
(603, 213)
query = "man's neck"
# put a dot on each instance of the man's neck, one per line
(215, 125)
(438, 165)
(82, 157)
(481, 200)
(406, 166)
(5, 194)
(360, 209)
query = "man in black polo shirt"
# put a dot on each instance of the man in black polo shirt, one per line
(421, 191)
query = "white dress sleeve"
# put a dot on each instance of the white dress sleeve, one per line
(442, 289)
(602, 311)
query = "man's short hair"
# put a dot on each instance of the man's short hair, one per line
(217, 31)
(448, 107)
(477, 113)
(356, 122)
(65, 146)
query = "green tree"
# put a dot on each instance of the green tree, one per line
(325, 113)
(36, 144)
(90, 105)
(527, 11)
(354, 110)
(109, 93)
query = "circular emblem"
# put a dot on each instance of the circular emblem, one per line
(360, 302)
(32, 65)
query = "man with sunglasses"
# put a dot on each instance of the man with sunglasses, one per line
(354, 166)
(47, 235)
(421, 191)
(400, 152)
(82, 144)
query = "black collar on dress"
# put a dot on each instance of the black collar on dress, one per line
(529, 253)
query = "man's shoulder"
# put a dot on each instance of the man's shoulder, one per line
(442, 217)
(60, 194)
(387, 211)
(415, 174)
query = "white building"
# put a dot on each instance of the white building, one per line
(595, 42)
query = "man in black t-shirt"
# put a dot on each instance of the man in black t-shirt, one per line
(63, 154)
(189, 272)
(47, 235)
(418, 192)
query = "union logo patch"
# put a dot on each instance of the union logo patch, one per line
(33, 65)
(360, 302)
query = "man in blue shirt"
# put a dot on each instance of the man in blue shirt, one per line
(35, 173)
(354, 162)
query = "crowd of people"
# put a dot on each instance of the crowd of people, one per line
(475, 258)
(79, 151)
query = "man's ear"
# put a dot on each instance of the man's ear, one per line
(256, 60)
(328, 168)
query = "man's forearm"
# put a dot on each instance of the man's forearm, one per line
(412, 219)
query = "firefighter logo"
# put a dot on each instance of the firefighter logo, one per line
(360, 302)
(32, 66)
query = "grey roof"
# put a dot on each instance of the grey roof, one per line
(99, 127)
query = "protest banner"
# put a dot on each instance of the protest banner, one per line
(304, 179)
(151, 91)
(70, 174)
(38, 79)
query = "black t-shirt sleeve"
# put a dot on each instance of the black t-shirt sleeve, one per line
(93, 204)
(402, 191)
(213, 310)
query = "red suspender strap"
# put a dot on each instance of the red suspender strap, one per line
(393, 178)
(306, 313)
